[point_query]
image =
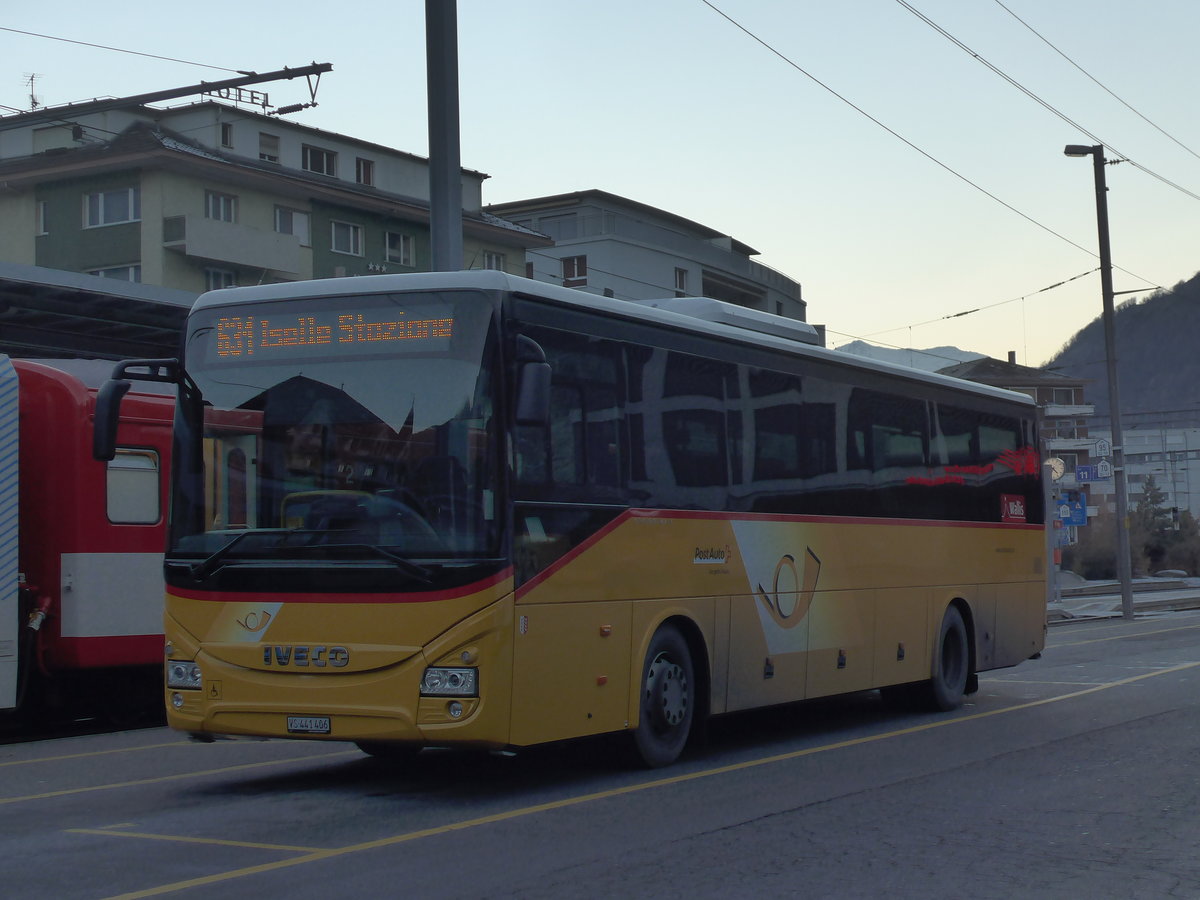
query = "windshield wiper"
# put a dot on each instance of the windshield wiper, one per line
(214, 561)
(416, 570)
(210, 564)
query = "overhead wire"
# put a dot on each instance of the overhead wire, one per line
(1098, 83)
(967, 312)
(186, 62)
(1045, 104)
(946, 167)
(929, 156)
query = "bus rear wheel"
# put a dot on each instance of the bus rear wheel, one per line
(668, 700)
(951, 664)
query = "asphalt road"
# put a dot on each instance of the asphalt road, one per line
(1074, 775)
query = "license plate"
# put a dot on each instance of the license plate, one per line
(308, 724)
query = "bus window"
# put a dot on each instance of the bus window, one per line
(777, 437)
(132, 488)
(887, 431)
(235, 463)
(581, 448)
(695, 440)
(956, 441)
(997, 436)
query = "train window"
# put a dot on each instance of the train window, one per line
(133, 487)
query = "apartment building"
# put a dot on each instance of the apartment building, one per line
(617, 247)
(209, 195)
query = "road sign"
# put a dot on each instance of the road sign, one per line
(1084, 474)
(1073, 512)
(1103, 448)
(1104, 470)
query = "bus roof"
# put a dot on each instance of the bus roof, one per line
(697, 319)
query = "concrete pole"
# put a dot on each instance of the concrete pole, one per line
(445, 167)
(1124, 575)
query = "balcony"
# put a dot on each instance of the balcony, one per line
(232, 244)
(1068, 411)
(1072, 444)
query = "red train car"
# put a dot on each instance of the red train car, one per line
(91, 538)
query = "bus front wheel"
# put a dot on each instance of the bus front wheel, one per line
(668, 699)
(952, 662)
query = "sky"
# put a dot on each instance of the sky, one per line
(901, 159)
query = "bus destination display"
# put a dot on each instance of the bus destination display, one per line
(243, 336)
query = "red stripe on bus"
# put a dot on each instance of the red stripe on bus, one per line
(465, 590)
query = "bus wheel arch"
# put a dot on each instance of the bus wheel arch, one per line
(672, 689)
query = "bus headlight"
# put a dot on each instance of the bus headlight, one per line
(444, 682)
(183, 675)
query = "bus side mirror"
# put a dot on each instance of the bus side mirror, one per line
(533, 394)
(108, 399)
(108, 415)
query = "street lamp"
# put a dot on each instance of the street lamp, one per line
(1114, 395)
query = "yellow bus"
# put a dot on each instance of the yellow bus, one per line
(477, 510)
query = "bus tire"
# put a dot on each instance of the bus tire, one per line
(951, 662)
(668, 699)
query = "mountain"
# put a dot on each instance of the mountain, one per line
(930, 360)
(1157, 340)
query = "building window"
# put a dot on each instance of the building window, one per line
(226, 134)
(574, 271)
(364, 171)
(112, 207)
(41, 218)
(121, 273)
(680, 282)
(293, 221)
(314, 159)
(222, 207)
(493, 260)
(347, 238)
(268, 147)
(215, 279)
(400, 248)
(1065, 428)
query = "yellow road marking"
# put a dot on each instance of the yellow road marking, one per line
(621, 791)
(1032, 681)
(191, 840)
(43, 759)
(164, 778)
(1123, 636)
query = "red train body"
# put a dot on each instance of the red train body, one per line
(91, 539)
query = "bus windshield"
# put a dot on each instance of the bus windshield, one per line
(338, 429)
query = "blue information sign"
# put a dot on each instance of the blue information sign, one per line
(1073, 512)
(1084, 474)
